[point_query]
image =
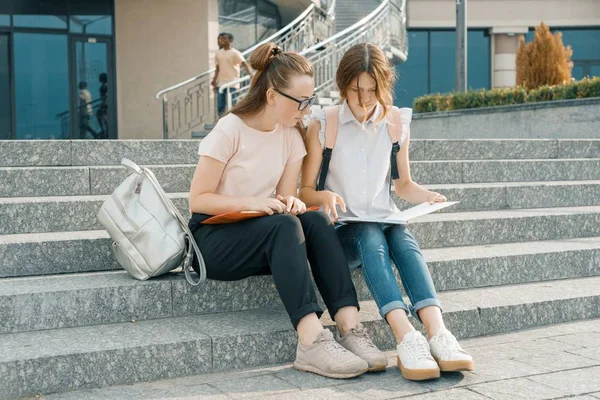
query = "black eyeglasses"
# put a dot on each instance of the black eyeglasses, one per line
(302, 104)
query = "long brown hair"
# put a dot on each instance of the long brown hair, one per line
(274, 69)
(365, 57)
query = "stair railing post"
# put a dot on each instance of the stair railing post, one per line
(165, 109)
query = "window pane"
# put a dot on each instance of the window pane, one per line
(267, 26)
(91, 24)
(578, 71)
(595, 70)
(40, 21)
(5, 106)
(90, 7)
(478, 60)
(585, 43)
(41, 86)
(442, 61)
(42, 7)
(412, 75)
(4, 20)
(239, 19)
(92, 90)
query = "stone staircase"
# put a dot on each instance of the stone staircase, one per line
(347, 13)
(521, 250)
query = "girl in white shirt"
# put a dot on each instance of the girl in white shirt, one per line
(351, 172)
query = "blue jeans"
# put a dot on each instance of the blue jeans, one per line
(371, 246)
(222, 100)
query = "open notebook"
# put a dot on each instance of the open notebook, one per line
(402, 218)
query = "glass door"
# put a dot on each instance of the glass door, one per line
(92, 86)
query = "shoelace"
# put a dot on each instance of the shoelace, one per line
(363, 338)
(448, 341)
(333, 347)
(418, 348)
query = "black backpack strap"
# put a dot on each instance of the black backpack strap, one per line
(324, 168)
(394, 161)
(394, 126)
(331, 130)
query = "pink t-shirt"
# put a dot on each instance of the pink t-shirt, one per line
(255, 160)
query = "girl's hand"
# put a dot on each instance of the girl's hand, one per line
(269, 205)
(293, 205)
(435, 197)
(329, 200)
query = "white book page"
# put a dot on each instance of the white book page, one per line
(420, 210)
(403, 217)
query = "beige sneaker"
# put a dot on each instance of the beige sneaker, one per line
(328, 358)
(358, 342)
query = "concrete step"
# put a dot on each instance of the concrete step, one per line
(38, 303)
(40, 153)
(21, 215)
(514, 195)
(37, 153)
(60, 252)
(493, 171)
(325, 101)
(67, 359)
(76, 181)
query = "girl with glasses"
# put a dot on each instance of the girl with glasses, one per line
(351, 148)
(251, 161)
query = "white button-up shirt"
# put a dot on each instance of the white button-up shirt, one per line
(360, 162)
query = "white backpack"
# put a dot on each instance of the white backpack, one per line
(150, 236)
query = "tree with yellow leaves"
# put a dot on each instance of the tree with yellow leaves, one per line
(543, 61)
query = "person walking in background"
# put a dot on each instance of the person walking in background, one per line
(85, 111)
(227, 61)
(102, 112)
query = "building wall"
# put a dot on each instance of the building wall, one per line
(504, 13)
(504, 21)
(157, 45)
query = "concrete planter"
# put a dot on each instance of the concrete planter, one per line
(564, 119)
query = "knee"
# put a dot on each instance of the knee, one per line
(401, 237)
(370, 237)
(286, 223)
(315, 219)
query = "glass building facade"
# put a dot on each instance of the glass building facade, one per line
(430, 67)
(57, 69)
(249, 21)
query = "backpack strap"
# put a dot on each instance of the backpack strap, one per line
(332, 119)
(394, 126)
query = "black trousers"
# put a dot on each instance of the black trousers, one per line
(280, 245)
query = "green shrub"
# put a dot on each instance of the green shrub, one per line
(425, 104)
(542, 93)
(587, 87)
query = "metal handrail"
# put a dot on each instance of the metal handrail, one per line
(325, 55)
(192, 104)
(271, 38)
(330, 14)
(351, 28)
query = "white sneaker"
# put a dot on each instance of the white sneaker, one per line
(448, 353)
(414, 359)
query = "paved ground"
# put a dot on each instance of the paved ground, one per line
(547, 363)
